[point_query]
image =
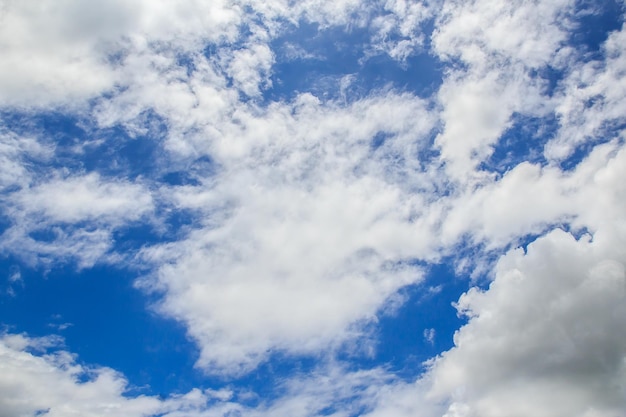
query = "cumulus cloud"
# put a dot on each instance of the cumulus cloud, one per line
(548, 328)
(64, 53)
(48, 50)
(544, 339)
(498, 45)
(295, 253)
(34, 382)
(530, 199)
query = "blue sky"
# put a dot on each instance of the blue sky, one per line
(350, 208)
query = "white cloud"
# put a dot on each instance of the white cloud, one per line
(592, 98)
(497, 45)
(403, 399)
(51, 384)
(307, 229)
(526, 200)
(530, 199)
(89, 197)
(48, 52)
(62, 53)
(38, 377)
(398, 30)
(429, 335)
(548, 328)
(477, 108)
(76, 214)
(14, 151)
(250, 67)
(303, 240)
(329, 13)
(545, 339)
(481, 32)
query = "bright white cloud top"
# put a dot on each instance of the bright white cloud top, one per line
(245, 208)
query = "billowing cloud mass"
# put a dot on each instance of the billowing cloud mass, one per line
(548, 328)
(310, 222)
(281, 180)
(50, 384)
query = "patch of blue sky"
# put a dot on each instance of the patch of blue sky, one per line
(551, 78)
(610, 132)
(523, 141)
(335, 64)
(48, 234)
(188, 172)
(5, 221)
(106, 322)
(423, 325)
(187, 61)
(81, 147)
(402, 345)
(265, 384)
(594, 21)
(116, 153)
(420, 74)
(128, 240)
(379, 139)
(529, 238)
(349, 405)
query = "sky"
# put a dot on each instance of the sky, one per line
(245, 208)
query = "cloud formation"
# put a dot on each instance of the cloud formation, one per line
(70, 217)
(291, 226)
(39, 378)
(548, 329)
(52, 384)
(304, 239)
